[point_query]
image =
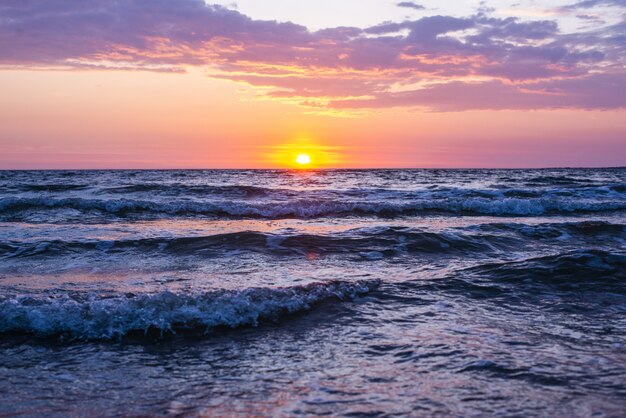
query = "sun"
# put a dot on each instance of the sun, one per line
(303, 159)
(302, 154)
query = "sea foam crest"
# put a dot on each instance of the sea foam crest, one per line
(96, 318)
(316, 208)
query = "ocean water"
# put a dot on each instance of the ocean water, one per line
(286, 293)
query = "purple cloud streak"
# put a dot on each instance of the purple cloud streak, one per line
(442, 63)
(410, 5)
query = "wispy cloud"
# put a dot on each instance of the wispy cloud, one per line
(411, 5)
(588, 4)
(441, 63)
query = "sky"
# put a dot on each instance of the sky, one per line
(352, 83)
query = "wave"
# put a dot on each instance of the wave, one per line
(239, 191)
(386, 240)
(568, 270)
(522, 373)
(588, 276)
(485, 238)
(593, 229)
(539, 188)
(319, 208)
(558, 180)
(586, 281)
(56, 188)
(93, 317)
(382, 240)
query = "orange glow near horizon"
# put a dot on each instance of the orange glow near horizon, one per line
(304, 153)
(89, 120)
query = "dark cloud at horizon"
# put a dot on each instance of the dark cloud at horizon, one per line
(442, 63)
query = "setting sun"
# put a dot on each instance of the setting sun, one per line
(304, 153)
(303, 159)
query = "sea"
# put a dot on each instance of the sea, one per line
(279, 293)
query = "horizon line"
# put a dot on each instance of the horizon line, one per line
(320, 168)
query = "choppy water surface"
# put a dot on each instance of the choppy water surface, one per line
(349, 293)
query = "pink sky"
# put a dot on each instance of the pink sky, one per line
(183, 84)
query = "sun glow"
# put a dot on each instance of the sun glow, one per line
(304, 154)
(303, 159)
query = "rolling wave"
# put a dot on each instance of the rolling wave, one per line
(318, 208)
(556, 230)
(239, 191)
(586, 276)
(92, 317)
(568, 270)
(48, 188)
(385, 240)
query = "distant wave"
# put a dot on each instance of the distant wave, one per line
(54, 188)
(92, 317)
(557, 180)
(239, 191)
(387, 241)
(300, 208)
(536, 187)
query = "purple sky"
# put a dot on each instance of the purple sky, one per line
(563, 56)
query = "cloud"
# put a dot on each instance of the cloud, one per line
(591, 18)
(442, 63)
(588, 4)
(411, 5)
(601, 91)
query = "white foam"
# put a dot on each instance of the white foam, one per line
(316, 208)
(95, 317)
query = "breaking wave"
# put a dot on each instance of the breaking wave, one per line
(92, 317)
(319, 208)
